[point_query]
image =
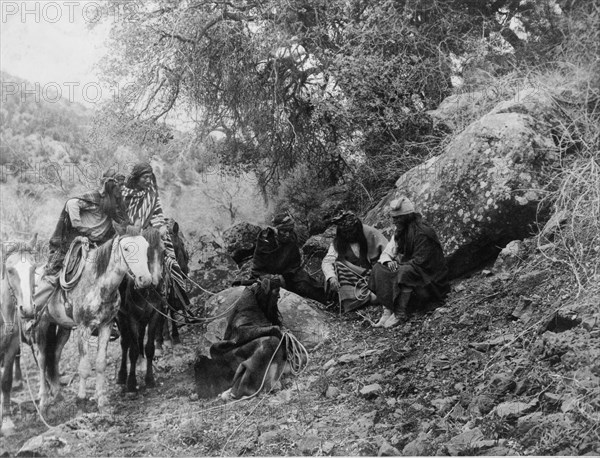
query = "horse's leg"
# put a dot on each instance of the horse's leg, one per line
(43, 336)
(175, 332)
(160, 334)
(134, 352)
(123, 322)
(6, 384)
(18, 375)
(103, 339)
(62, 336)
(149, 350)
(85, 368)
(165, 332)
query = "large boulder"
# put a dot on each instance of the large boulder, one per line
(484, 190)
(300, 316)
(240, 240)
(456, 109)
(211, 268)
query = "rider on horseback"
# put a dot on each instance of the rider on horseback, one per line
(90, 215)
(144, 209)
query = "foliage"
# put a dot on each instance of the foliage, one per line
(309, 199)
(298, 82)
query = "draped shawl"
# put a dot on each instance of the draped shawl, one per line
(144, 209)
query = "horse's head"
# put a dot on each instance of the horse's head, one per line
(135, 254)
(156, 251)
(18, 270)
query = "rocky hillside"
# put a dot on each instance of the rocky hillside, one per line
(509, 365)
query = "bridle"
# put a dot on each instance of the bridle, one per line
(129, 272)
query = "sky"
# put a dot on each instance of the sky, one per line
(51, 43)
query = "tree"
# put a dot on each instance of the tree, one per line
(293, 82)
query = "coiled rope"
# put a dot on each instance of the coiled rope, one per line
(296, 357)
(85, 248)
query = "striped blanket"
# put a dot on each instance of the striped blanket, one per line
(144, 208)
(353, 282)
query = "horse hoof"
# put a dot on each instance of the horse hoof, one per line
(150, 383)
(176, 341)
(132, 388)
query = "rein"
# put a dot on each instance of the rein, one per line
(198, 321)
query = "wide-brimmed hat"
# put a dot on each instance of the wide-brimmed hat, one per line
(401, 206)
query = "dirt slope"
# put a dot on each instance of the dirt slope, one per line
(467, 379)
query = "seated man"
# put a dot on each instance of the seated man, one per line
(347, 265)
(277, 253)
(412, 266)
(251, 355)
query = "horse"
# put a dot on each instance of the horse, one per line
(89, 305)
(175, 307)
(16, 302)
(140, 310)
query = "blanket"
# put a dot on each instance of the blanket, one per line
(251, 356)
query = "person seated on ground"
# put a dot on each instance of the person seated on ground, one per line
(277, 253)
(92, 215)
(144, 209)
(251, 356)
(347, 265)
(411, 268)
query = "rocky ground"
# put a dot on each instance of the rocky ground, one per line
(509, 366)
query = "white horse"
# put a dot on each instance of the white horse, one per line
(91, 305)
(16, 301)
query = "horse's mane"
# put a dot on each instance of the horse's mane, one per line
(103, 252)
(102, 256)
(152, 236)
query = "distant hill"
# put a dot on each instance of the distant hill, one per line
(50, 150)
(38, 124)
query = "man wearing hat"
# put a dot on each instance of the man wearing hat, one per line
(277, 253)
(347, 265)
(411, 268)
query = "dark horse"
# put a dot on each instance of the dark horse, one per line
(141, 309)
(176, 309)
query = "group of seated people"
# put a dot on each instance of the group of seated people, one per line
(361, 266)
